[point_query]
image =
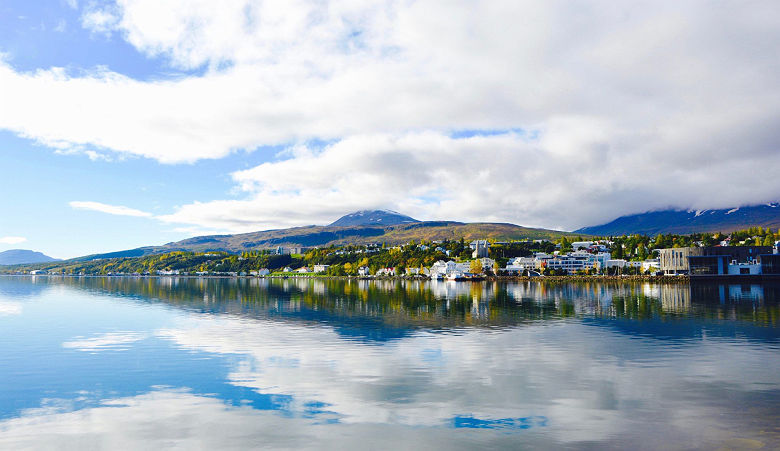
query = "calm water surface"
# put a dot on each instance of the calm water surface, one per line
(132, 363)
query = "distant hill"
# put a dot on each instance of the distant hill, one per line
(684, 222)
(373, 217)
(23, 256)
(321, 236)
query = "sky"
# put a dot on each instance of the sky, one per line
(137, 122)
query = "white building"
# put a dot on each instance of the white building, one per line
(578, 261)
(450, 267)
(321, 268)
(480, 248)
(744, 268)
(364, 271)
(487, 264)
(386, 272)
(172, 272)
(651, 264)
(581, 245)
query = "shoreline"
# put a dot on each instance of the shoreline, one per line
(572, 278)
(668, 279)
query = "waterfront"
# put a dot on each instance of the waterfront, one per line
(296, 363)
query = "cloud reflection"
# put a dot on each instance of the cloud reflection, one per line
(111, 341)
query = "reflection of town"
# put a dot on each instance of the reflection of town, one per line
(411, 303)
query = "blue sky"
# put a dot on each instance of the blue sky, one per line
(133, 122)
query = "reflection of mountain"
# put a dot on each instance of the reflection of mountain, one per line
(20, 287)
(378, 311)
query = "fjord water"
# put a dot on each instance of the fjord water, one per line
(148, 363)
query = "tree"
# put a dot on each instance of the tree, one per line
(565, 245)
(475, 267)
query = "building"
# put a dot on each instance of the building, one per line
(676, 260)
(577, 261)
(487, 264)
(364, 271)
(320, 268)
(480, 247)
(442, 268)
(651, 264)
(581, 245)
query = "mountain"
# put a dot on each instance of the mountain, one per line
(23, 256)
(684, 222)
(321, 236)
(373, 217)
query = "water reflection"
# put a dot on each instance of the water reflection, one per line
(335, 363)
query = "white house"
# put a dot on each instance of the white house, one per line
(581, 245)
(487, 264)
(172, 272)
(321, 268)
(651, 264)
(386, 272)
(364, 271)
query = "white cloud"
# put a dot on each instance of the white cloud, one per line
(110, 341)
(109, 209)
(12, 239)
(10, 308)
(563, 178)
(100, 20)
(684, 93)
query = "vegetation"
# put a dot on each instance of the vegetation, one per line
(347, 260)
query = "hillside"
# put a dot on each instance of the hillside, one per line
(685, 222)
(321, 236)
(23, 256)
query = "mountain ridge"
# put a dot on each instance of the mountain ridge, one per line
(373, 217)
(690, 221)
(24, 256)
(323, 236)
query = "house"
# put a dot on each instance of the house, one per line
(287, 269)
(320, 268)
(651, 264)
(302, 270)
(364, 271)
(442, 268)
(581, 245)
(386, 272)
(170, 272)
(487, 264)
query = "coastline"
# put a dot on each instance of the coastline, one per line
(682, 279)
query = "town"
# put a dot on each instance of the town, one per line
(752, 252)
